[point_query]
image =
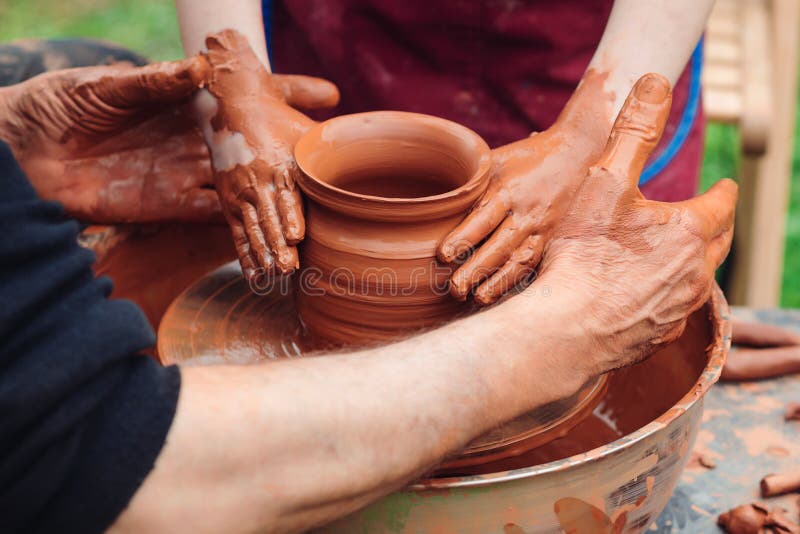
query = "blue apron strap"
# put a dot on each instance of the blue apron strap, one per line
(685, 124)
(266, 14)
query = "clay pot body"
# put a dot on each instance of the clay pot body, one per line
(382, 189)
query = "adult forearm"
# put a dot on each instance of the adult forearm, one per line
(199, 18)
(289, 445)
(641, 36)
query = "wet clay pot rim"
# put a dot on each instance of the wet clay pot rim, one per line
(340, 129)
(719, 316)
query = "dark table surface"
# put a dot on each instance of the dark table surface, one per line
(744, 433)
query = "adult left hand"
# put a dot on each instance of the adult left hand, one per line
(112, 143)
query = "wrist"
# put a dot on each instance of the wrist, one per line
(542, 338)
(589, 114)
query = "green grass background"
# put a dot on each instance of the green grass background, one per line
(150, 27)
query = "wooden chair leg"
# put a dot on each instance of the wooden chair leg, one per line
(765, 180)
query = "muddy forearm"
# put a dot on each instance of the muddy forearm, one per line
(199, 18)
(286, 446)
(648, 36)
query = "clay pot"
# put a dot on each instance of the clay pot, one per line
(382, 189)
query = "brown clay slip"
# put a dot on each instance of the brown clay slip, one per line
(755, 364)
(780, 483)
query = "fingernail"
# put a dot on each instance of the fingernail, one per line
(448, 252)
(287, 262)
(483, 297)
(652, 88)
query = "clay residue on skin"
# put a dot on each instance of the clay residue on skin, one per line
(609, 213)
(252, 128)
(112, 143)
(533, 183)
(228, 149)
(757, 518)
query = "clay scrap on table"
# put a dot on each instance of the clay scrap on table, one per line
(792, 411)
(756, 518)
(762, 335)
(763, 351)
(699, 459)
(755, 364)
(780, 483)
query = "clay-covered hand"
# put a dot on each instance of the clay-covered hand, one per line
(251, 129)
(635, 269)
(111, 143)
(533, 182)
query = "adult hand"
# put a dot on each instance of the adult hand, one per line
(111, 143)
(251, 129)
(634, 269)
(532, 185)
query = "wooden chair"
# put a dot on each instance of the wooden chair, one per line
(750, 79)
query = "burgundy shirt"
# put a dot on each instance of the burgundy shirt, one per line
(504, 68)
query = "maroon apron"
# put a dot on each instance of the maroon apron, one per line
(504, 68)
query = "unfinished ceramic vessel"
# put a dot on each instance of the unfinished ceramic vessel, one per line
(382, 190)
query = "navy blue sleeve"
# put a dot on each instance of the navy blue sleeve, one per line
(82, 415)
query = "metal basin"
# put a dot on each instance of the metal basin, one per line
(619, 486)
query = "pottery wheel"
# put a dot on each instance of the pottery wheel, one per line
(219, 319)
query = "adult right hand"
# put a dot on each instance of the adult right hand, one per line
(251, 128)
(632, 270)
